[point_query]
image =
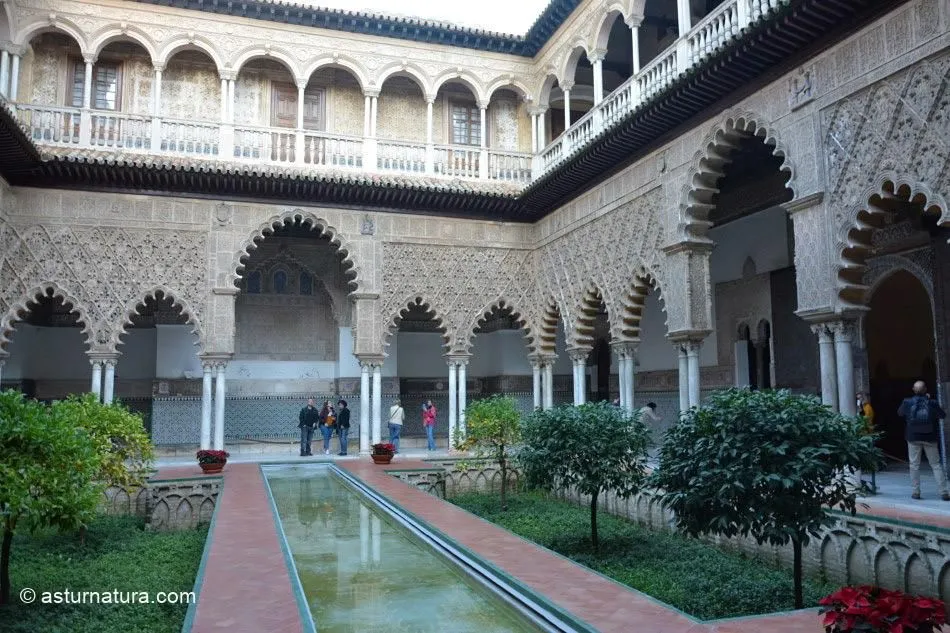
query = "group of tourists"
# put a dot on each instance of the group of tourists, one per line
(327, 419)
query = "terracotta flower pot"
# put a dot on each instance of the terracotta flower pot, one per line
(382, 459)
(210, 469)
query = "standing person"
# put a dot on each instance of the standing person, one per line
(343, 426)
(866, 411)
(326, 425)
(648, 413)
(396, 417)
(923, 415)
(428, 421)
(309, 417)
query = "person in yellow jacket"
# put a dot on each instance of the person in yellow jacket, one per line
(866, 411)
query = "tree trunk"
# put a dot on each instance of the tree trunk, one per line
(593, 522)
(797, 571)
(504, 482)
(5, 565)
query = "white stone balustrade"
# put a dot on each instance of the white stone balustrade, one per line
(81, 128)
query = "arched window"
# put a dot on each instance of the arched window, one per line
(280, 282)
(306, 284)
(254, 283)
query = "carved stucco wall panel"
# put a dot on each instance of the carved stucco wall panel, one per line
(103, 271)
(893, 134)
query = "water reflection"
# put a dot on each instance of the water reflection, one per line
(361, 572)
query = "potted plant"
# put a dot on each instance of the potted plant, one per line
(869, 609)
(212, 461)
(383, 453)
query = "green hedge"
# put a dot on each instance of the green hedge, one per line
(699, 579)
(118, 554)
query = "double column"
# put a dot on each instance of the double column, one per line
(579, 365)
(542, 381)
(626, 368)
(370, 110)
(690, 391)
(213, 392)
(458, 394)
(836, 360)
(10, 72)
(103, 375)
(371, 402)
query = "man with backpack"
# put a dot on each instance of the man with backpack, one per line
(923, 416)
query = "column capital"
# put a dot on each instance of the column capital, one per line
(634, 21)
(103, 357)
(207, 366)
(579, 354)
(228, 75)
(89, 58)
(372, 93)
(158, 68)
(457, 359)
(597, 55)
(301, 82)
(684, 337)
(371, 361)
(690, 245)
(567, 85)
(483, 105)
(821, 331)
(625, 349)
(843, 330)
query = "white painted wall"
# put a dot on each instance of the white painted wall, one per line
(176, 352)
(56, 353)
(762, 236)
(138, 359)
(421, 354)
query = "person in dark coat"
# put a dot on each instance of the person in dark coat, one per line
(343, 425)
(923, 415)
(309, 417)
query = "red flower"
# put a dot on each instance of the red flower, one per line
(853, 609)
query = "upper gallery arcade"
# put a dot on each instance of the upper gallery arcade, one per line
(210, 214)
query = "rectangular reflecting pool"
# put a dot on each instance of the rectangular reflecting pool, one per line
(362, 571)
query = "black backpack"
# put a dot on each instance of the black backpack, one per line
(920, 418)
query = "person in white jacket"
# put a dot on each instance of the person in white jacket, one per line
(396, 417)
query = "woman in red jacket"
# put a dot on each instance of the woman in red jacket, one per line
(428, 421)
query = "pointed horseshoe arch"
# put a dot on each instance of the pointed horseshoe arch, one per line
(303, 218)
(20, 308)
(186, 310)
(853, 237)
(709, 163)
(466, 338)
(392, 320)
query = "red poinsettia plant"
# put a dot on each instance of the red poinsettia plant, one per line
(212, 457)
(384, 449)
(868, 609)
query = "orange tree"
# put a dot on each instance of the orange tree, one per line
(762, 463)
(492, 429)
(48, 471)
(593, 448)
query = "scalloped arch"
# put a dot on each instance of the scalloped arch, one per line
(633, 305)
(183, 43)
(852, 248)
(105, 36)
(714, 155)
(584, 313)
(297, 216)
(277, 53)
(343, 61)
(13, 314)
(60, 24)
(130, 310)
(415, 298)
(466, 338)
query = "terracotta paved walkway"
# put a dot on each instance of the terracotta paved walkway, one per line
(247, 586)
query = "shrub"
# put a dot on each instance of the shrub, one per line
(492, 428)
(765, 463)
(592, 447)
(49, 468)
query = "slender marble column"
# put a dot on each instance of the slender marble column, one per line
(828, 364)
(534, 133)
(692, 359)
(231, 83)
(453, 398)
(630, 371)
(87, 86)
(97, 379)
(536, 383)
(579, 358)
(542, 130)
(377, 402)
(548, 385)
(365, 398)
(462, 394)
(374, 108)
(622, 377)
(366, 115)
(567, 109)
(206, 406)
(844, 355)
(597, 62)
(14, 77)
(108, 386)
(5, 73)
(683, 377)
(219, 392)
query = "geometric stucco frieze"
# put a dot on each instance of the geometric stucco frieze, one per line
(105, 272)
